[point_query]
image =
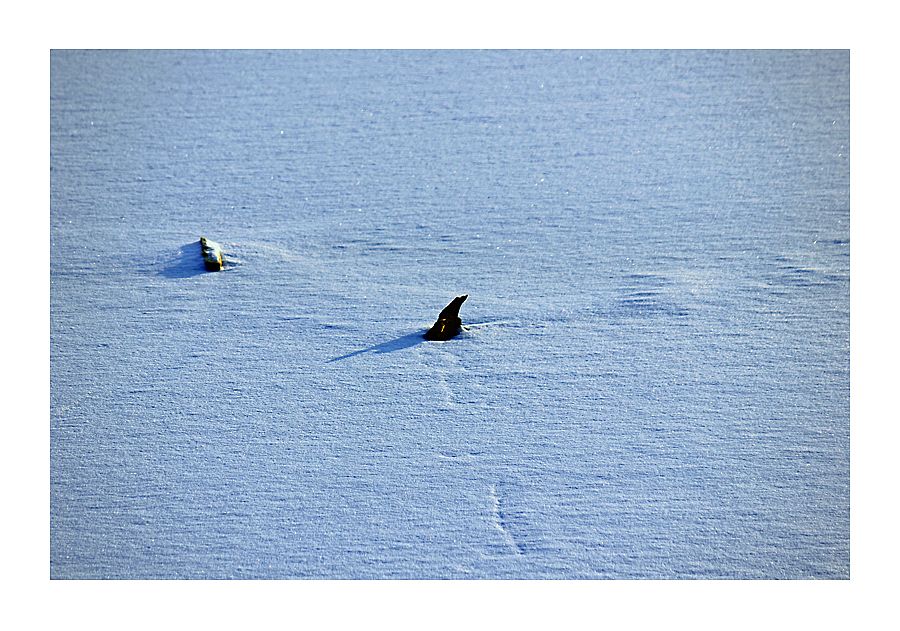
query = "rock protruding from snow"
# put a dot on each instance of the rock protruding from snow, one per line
(448, 323)
(212, 254)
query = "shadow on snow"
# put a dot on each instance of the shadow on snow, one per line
(397, 344)
(188, 262)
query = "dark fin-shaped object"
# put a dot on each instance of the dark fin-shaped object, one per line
(448, 323)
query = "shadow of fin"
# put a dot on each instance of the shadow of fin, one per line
(399, 343)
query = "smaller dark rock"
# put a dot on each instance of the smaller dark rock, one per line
(212, 254)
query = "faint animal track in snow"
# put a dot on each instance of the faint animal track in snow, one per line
(449, 365)
(500, 520)
(445, 388)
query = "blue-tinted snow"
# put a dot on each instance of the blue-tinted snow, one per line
(657, 241)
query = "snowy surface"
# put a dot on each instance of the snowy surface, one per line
(656, 251)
